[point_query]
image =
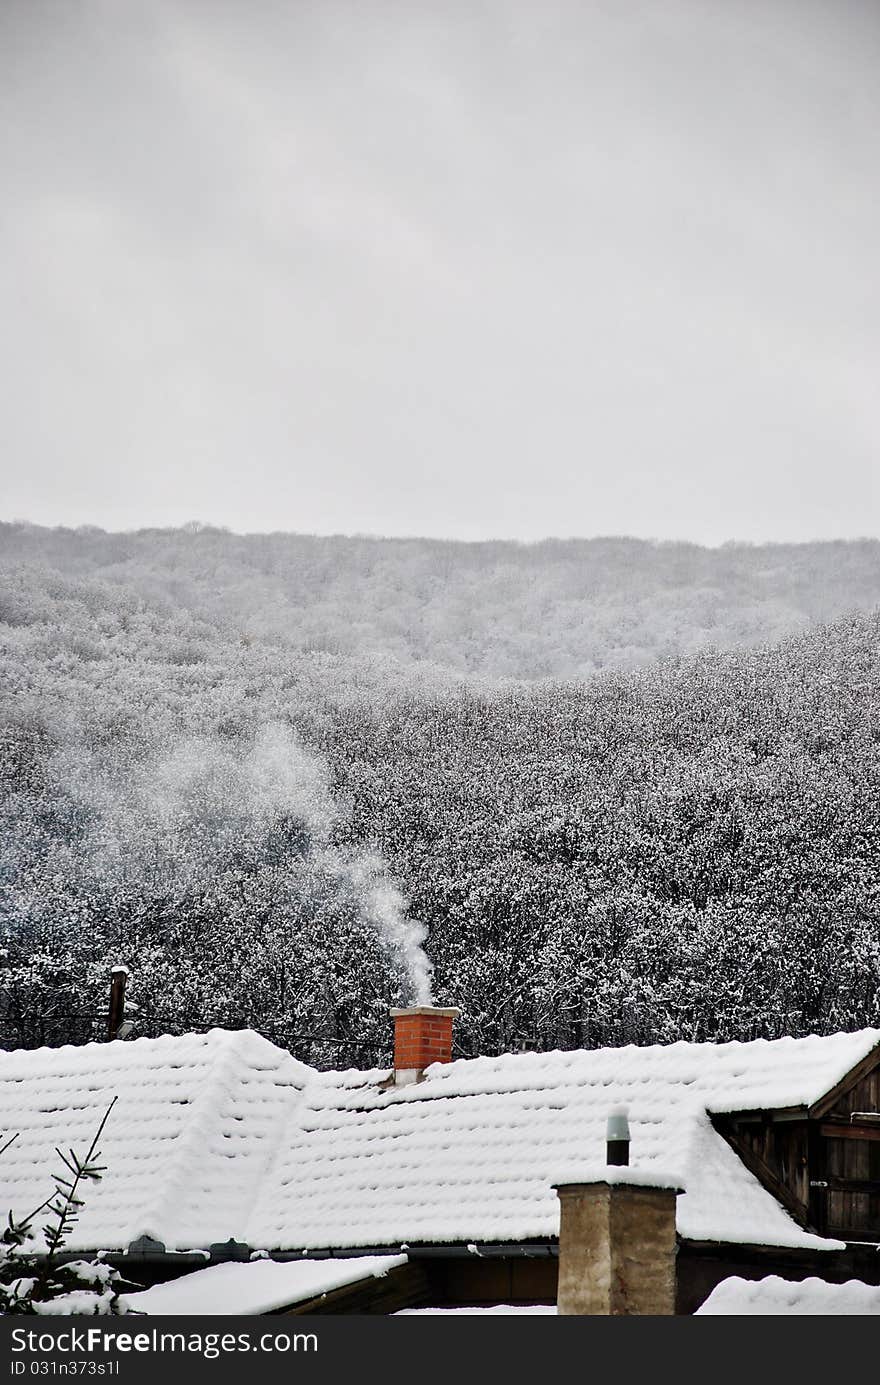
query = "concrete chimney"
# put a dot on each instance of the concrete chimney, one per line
(617, 1244)
(422, 1035)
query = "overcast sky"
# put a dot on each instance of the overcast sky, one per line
(449, 268)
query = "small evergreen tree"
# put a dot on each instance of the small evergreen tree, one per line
(38, 1281)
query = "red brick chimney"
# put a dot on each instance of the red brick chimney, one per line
(422, 1035)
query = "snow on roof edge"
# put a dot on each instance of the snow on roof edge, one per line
(775, 1296)
(258, 1286)
(619, 1176)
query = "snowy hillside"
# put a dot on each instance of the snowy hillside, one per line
(561, 608)
(269, 836)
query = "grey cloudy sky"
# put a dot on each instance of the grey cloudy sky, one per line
(451, 268)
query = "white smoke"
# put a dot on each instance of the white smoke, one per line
(187, 805)
(385, 908)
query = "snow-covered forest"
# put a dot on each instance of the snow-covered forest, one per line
(559, 609)
(620, 791)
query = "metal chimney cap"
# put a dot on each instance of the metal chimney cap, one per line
(618, 1124)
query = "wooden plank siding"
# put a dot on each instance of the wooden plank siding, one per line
(852, 1158)
(858, 1091)
(821, 1164)
(845, 1131)
(776, 1155)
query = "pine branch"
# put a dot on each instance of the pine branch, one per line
(12, 1138)
(65, 1205)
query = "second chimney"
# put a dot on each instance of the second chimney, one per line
(116, 1013)
(617, 1244)
(422, 1035)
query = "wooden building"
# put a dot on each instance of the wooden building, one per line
(822, 1161)
(222, 1147)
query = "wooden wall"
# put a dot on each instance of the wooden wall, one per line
(851, 1151)
(823, 1165)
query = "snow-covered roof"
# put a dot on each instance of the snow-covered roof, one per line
(781, 1297)
(258, 1286)
(196, 1125)
(223, 1135)
(472, 1153)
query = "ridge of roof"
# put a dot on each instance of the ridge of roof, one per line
(798, 1071)
(472, 1151)
(237, 1054)
(99, 1049)
(192, 1132)
(224, 1134)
